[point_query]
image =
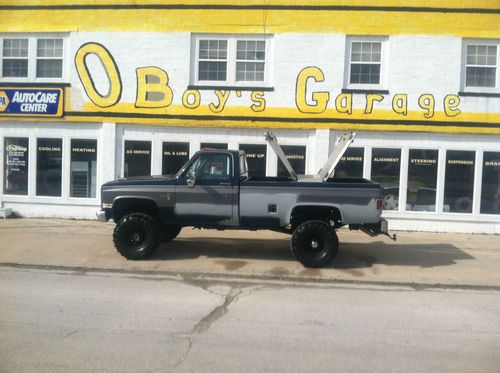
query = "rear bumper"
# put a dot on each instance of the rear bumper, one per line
(382, 227)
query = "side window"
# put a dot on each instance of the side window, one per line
(296, 155)
(256, 159)
(211, 167)
(351, 163)
(137, 158)
(32, 58)
(16, 165)
(386, 167)
(15, 58)
(366, 62)
(480, 71)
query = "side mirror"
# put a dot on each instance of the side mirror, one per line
(191, 179)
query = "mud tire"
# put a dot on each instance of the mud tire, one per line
(314, 243)
(136, 236)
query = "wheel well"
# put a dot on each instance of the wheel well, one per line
(125, 206)
(301, 214)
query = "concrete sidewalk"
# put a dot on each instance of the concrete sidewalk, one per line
(416, 258)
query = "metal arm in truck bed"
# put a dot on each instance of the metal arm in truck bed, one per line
(327, 170)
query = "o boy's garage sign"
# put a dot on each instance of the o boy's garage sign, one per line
(46, 102)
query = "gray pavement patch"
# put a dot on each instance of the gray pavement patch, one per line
(224, 278)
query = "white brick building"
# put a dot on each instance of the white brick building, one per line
(136, 89)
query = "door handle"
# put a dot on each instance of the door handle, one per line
(225, 184)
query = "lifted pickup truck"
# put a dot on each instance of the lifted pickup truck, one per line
(213, 190)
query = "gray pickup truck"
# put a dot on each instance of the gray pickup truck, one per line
(213, 190)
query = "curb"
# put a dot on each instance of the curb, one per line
(225, 278)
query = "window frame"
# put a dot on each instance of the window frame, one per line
(384, 58)
(479, 42)
(232, 41)
(33, 58)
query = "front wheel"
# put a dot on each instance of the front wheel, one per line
(314, 243)
(136, 236)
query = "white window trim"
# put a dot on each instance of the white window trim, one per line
(32, 58)
(384, 62)
(231, 60)
(463, 70)
(65, 198)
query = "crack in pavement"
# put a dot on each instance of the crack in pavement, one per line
(218, 312)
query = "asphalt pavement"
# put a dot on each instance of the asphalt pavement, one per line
(415, 258)
(66, 321)
(238, 301)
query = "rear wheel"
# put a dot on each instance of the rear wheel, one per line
(314, 243)
(136, 236)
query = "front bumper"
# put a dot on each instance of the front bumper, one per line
(102, 216)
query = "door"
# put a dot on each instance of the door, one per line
(213, 199)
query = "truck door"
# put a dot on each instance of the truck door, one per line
(213, 199)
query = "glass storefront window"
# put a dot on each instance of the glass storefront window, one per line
(490, 188)
(351, 163)
(213, 145)
(459, 181)
(174, 156)
(256, 159)
(48, 167)
(386, 166)
(422, 180)
(137, 158)
(16, 165)
(296, 155)
(83, 168)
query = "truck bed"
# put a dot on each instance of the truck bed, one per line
(270, 200)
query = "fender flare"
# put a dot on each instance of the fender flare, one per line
(329, 205)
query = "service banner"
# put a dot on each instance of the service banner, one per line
(46, 102)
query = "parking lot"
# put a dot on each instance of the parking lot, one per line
(415, 258)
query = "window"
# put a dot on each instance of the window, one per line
(211, 167)
(228, 60)
(175, 155)
(351, 163)
(256, 159)
(48, 167)
(137, 158)
(422, 180)
(83, 168)
(32, 58)
(213, 145)
(366, 62)
(49, 53)
(386, 165)
(16, 165)
(459, 181)
(15, 58)
(296, 155)
(250, 60)
(212, 60)
(490, 189)
(480, 65)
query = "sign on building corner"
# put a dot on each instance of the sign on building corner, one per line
(31, 101)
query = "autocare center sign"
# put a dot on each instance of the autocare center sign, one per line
(46, 102)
